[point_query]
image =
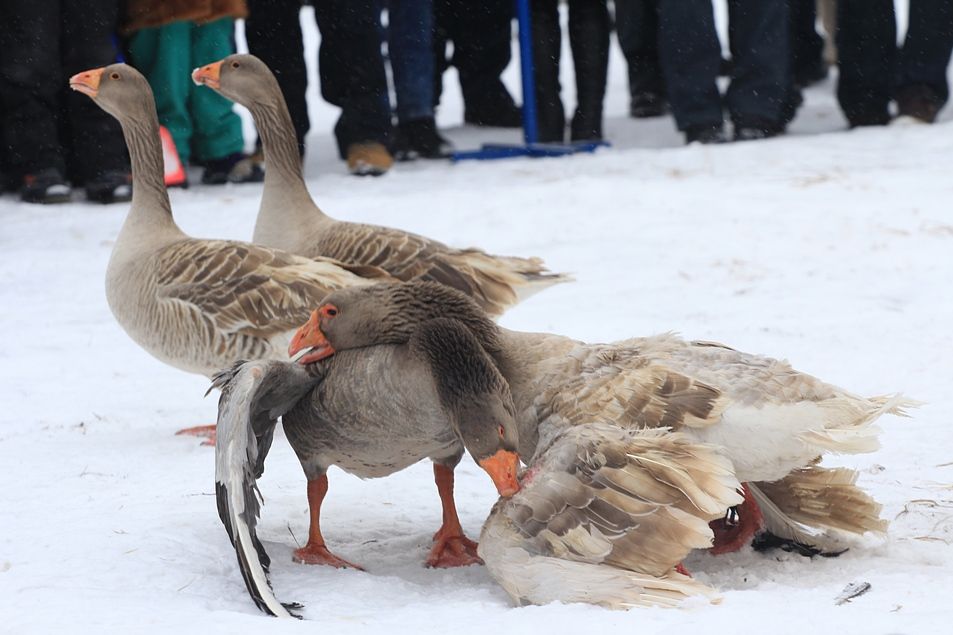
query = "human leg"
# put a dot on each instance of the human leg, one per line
(589, 39)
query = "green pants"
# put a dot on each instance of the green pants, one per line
(200, 120)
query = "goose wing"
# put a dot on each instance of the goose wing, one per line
(250, 290)
(254, 395)
(636, 500)
(495, 282)
(619, 384)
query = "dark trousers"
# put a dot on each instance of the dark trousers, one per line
(927, 47)
(867, 55)
(871, 67)
(44, 124)
(807, 46)
(690, 54)
(350, 64)
(410, 48)
(589, 41)
(481, 33)
(637, 24)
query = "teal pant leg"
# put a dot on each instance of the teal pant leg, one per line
(163, 55)
(218, 129)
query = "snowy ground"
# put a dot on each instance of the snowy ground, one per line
(834, 250)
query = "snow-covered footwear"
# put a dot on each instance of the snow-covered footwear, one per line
(368, 159)
(112, 187)
(45, 186)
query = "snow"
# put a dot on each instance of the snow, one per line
(831, 249)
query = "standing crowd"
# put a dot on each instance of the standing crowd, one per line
(52, 139)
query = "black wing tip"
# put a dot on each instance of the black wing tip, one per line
(223, 377)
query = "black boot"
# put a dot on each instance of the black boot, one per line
(550, 116)
(589, 39)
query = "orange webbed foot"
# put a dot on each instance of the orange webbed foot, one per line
(453, 551)
(208, 432)
(319, 554)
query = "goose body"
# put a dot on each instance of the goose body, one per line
(197, 304)
(289, 219)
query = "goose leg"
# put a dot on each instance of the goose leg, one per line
(201, 431)
(316, 552)
(731, 534)
(451, 548)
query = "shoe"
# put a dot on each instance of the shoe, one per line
(369, 158)
(113, 186)
(646, 105)
(234, 168)
(919, 102)
(859, 120)
(705, 134)
(502, 113)
(419, 139)
(45, 186)
(753, 130)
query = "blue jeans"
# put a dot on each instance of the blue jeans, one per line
(410, 46)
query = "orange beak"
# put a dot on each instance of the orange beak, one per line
(502, 468)
(310, 336)
(208, 75)
(87, 82)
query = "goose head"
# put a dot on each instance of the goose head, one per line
(386, 314)
(119, 89)
(242, 78)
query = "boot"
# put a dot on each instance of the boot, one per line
(589, 39)
(550, 117)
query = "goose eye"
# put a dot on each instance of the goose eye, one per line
(235, 64)
(501, 431)
(329, 311)
(114, 75)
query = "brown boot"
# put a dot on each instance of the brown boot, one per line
(368, 159)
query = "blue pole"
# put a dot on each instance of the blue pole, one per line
(528, 74)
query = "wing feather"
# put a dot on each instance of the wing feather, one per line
(495, 282)
(254, 395)
(581, 502)
(252, 290)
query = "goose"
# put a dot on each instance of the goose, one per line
(198, 305)
(371, 412)
(289, 219)
(772, 422)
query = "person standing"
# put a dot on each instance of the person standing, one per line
(589, 41)
(481, 33)
(350, 68)
(52, 136)
(169, 39)
(410, 49)
(873, 71)
(637, 29)
(760, 98)
(922, 86)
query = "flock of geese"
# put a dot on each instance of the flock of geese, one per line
(636, 452)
